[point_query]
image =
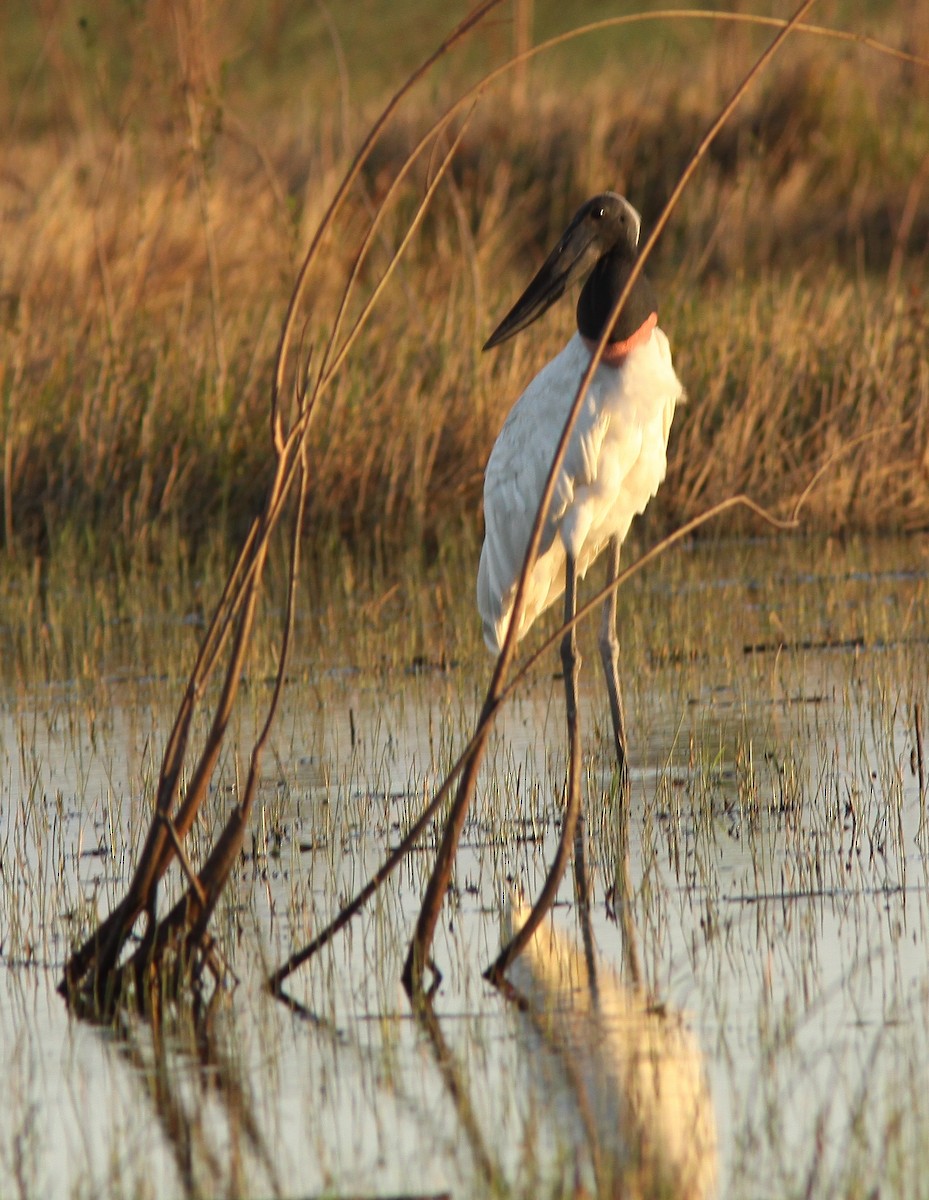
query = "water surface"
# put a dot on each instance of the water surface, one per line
(777, 858)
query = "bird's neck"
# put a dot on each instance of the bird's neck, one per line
(615, 353)
(603, 288)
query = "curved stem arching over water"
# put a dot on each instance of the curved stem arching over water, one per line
(93, 974)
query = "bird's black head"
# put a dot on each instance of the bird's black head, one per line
(606, 226)
(606, 223)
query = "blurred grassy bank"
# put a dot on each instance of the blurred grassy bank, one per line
(164, 165)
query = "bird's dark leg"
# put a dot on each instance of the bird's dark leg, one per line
(571, 836)
(582, 898)
(570, 658)
(571, 666)
(609, 654)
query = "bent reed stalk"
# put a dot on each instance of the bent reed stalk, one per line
(94, 978)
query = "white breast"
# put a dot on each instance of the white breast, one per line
(615, 462)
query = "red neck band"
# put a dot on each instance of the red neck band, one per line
(616, 353)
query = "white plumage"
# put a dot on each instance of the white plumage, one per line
(614, 464)
(616, 455)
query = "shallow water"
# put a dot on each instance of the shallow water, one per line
(777, 860)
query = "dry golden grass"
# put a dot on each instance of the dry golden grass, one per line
(150, 247)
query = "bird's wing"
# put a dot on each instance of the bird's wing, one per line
(515, 477)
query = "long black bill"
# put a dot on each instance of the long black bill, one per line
(577, 251)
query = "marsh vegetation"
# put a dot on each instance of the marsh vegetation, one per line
(158, 193)
(766, 905)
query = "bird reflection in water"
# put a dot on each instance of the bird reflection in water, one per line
(633, 1071)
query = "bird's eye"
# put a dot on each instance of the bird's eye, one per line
(596, 213)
